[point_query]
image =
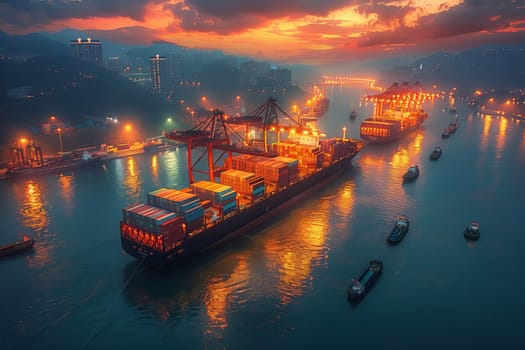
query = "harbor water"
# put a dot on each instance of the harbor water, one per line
(283, 285)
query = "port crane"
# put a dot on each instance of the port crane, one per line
(221, 133)
(404, 97)
(20, 157)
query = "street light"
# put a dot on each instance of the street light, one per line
(344, 133)
(59, 130)
(169, 124)
(181, 106)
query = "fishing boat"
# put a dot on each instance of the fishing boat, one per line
(436, 153)
(397, 112)
(399, 230)
(472, 231)
(365, 281)
(411, 174)
(17, 246)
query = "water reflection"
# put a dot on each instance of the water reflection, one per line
(155, 170)
(222, 291)
(65, 184)
(486, 132)
(344, 205)
(501, 137)
(33, 212)
(129, 175)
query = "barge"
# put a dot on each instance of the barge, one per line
(17, 247)
(365, 281)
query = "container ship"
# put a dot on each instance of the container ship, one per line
(397, 112)
(175, 224)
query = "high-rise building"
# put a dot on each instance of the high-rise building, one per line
(158, 74)
(88, 50)
(252, 71)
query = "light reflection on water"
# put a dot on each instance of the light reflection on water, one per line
(155, 170)
(66, 191)
(33, 212)
(129, 179)
(501, 137)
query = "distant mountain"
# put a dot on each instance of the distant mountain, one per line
(489, 67)
(31, 45)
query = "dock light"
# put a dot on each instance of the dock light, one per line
(59, 130)
(344, 133)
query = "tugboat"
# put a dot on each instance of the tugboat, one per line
(399, 230)
(366, 280)
(453, 126)
(436, 153)
(411, 174)
(472, 232)
(17, 247)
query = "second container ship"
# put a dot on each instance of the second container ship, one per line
(397, 111)
(180, 223)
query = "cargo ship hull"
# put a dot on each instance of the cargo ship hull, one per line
(374, 130)
(240, 222)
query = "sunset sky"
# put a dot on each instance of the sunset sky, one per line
(294, 31)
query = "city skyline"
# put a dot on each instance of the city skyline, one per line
(306, 31)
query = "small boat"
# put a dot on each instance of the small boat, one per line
(365, 281)
(436, 153)
(445, 134)
(353, 114)
(472, 232)
(399, 230)
(411, 174)
(453, 126)
(17, 247)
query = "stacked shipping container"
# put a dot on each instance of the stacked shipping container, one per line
(151, 226)
(222, 197)
(170, 215)
(245, 183)
(307, 156)
(275, 172)
(184, 204)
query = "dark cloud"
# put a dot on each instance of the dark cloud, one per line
(470, 17)
(40, 12)
(193, 21)
(233, 16)
(231, 9)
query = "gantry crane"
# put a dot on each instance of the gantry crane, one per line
(217, 132)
